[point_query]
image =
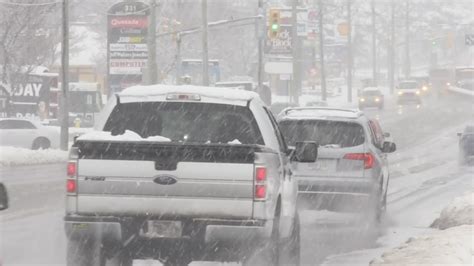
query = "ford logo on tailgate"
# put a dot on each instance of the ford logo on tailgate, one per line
(165, 179)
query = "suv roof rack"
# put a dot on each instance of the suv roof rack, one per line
(355, 112)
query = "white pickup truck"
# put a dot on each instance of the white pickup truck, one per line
(182, 173)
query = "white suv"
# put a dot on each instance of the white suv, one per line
(352, 162)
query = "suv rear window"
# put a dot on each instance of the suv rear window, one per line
(186, 122)
(338, 133)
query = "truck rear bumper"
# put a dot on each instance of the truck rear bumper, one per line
(121, 230)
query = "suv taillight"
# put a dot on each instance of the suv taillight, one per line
(368, 158)
(260, 183)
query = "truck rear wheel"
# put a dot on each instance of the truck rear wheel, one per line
(85, 252)
(290, 248)
(91, 252)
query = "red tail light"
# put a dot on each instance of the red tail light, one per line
(71, 185)
(71, 169)
(260, 174)
(368, 158)
(260, 191)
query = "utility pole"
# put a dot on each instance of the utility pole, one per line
(407, 41)
(178, 59)
(64, 140)
(374, 45)
(260, 40)
(295, 51)
(321, 52)
(349, 52)
(152, 67)
(391, 74)
(205, 51)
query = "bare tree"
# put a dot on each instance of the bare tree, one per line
(29, 36)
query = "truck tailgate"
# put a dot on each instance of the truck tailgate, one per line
(212, 181)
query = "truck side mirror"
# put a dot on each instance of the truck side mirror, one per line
(459, 134)
(306, 152)
(389, 147)
(3, 197)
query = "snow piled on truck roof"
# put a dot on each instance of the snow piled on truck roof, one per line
(209, 92)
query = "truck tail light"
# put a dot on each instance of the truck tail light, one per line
(260, 192)
(260, 183)
(71, 186)
(260, 174)
(368, 158)
(71, 169)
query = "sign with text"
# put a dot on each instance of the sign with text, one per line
(127, 44)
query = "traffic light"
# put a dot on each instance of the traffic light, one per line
(274, 23)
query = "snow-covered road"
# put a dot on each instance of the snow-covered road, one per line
(425, 177)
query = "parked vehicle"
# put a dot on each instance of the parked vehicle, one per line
(352, 168)
(371, 97)
(181, 173)
(408, 92)
(3, 197)
(466, 145)
(18, 132)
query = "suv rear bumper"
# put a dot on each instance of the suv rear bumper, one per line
(316, 193)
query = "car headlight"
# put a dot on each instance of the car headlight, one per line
(362, 99)
(424, 88)
(448, 84)
(400, 93)
(417, 92)
(377, 99)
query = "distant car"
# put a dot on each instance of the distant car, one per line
(371, 97)
(466, 145)
(317, 104)
(352, 165)
(28, 134)
(408, 91)
(3, 197)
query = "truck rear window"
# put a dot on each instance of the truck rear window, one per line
(188, 122)
(335, 133)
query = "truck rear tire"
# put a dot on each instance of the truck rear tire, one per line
(290, 248)
(91, 252)
(85, 252)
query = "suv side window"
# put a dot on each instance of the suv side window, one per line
(280, 138)
(377, 134)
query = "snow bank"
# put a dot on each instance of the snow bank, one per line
(11, 156)
(126, 136)
(453, 246)
(458, 212)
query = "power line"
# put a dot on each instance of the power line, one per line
(30, 4)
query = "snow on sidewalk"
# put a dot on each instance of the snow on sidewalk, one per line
(11, 156)
(451, 246)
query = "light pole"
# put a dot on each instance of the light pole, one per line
(205, 51)
(64, 138)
